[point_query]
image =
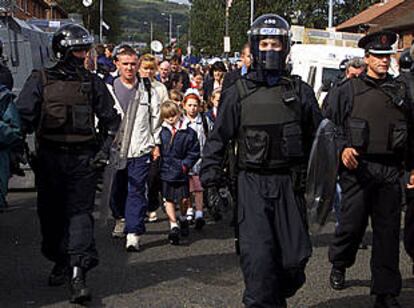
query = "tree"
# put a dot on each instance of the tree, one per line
(207, 26)
(208, 18)
(111, 15)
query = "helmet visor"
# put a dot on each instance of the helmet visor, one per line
(269, 31)
(77, 42)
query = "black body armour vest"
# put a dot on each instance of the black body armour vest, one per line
(408, 79)
(377, 124)
(66, 112)
(270, 134)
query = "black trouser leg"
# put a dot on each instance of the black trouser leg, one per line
(386, 216)
(267, 227)
(154, 186)
(409, 224)
(51, 207)
(80, 201)
(119, 193)
(353, 221)
(259, 257)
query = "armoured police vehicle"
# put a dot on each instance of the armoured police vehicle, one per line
(26, 46)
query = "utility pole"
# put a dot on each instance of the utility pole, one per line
(101, 4)
(178, 34)
(330, 16)
(170, 28)
(151, 32)
(251, 11)
(170, 22)
(226, 35)
(189, 33)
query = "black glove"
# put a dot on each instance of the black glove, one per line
(17, 156)
(100, 160)
(215, 203)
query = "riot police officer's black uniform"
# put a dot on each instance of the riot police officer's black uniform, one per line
(60, 104)
(374, 118)
(407, 76)
(272, 117)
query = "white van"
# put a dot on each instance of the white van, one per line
(319, 64)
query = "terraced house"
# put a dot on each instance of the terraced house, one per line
(42, 9)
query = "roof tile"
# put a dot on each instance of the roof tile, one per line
(370, 14)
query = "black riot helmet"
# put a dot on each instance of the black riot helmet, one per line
(405, 62)
(70, 37)
(269, 26)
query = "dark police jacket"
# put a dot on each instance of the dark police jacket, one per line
(228, 123)
(408, 79)
(31, 101)
(375, 117)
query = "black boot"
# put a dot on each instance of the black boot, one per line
(199, 223)
(184, 227)
(79, 292)
(337, 278)
(386, 301)
(174, 236)
(58, 275)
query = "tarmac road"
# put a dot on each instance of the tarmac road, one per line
(202, 272)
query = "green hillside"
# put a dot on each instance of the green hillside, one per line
(136, 16)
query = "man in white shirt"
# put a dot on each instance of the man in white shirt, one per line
(132, 185)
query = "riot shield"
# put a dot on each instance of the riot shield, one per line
(321, 175)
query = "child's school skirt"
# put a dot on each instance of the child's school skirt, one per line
(175, 191)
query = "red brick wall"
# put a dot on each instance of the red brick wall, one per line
(406, 38)
(392, 16)
(35, 9)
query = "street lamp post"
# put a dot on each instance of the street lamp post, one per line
(170, 23)
(251, 11)
(330, 16)
(226, 30)
(151, 31)
(170, 27)
(178, 34)
(101, 5)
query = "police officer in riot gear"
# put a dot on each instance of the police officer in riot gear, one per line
(272, 117)
(59, 104)
(375, 134)
(405, 61)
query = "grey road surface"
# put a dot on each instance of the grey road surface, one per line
(202, 272)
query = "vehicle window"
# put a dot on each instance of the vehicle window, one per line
(311, 76)
(330, 75)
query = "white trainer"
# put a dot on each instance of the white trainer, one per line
(152, 216)
(119, 228)
(132, 242)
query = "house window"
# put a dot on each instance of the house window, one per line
(26, 6)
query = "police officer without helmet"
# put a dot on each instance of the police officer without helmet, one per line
(375, 126)
(59, 104)
(407, 76)
(272, 117)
